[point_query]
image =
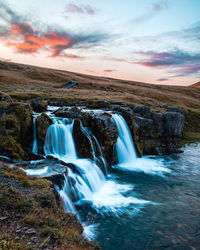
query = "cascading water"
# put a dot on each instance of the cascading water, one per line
(89, 183)
(59, 140)
(127, 157)
(35, 148)
(125, 147)
(94, 145)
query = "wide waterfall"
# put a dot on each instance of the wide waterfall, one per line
(85, 181)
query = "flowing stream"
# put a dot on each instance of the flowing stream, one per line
(138, 203)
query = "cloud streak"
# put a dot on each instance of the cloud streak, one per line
(183, 63)
(156, 8)
(83, 9)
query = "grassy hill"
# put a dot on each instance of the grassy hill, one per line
(25, 82)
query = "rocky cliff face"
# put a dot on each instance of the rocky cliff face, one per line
(154, 133)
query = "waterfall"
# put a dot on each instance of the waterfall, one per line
(35, 148)
(125, 147)
(85, 182)
(59, 141)
(64, 195)
(94, 145)
(127, 157)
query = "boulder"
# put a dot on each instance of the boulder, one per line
(38, 105)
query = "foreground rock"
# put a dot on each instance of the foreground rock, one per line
(32, 218)
(38, 105)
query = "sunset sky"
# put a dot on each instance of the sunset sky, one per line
(155, 41)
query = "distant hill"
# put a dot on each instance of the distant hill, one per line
(25, 81)
(196, 85)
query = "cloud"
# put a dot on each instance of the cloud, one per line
(179, 63)
(83, 9)
(182, 63)
(21, 35)
(153, 10)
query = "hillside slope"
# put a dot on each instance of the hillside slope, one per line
(196, 85)
(22, 79)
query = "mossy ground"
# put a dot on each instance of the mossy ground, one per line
(32, 218)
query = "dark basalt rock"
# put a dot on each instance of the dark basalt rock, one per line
(105, 130)
(82, 143)
(38, 105)
(142, 110)
(158, 135)
(174, 123)
(42, 124)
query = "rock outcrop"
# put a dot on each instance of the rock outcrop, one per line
(15, 129)
(101, 125)
(42, 124)
(158, 133)
(38, 105)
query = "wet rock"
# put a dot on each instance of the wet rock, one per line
(42, 124)
(38, 105)
(57, 180)
(70, 112)
(83, 146)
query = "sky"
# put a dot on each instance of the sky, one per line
(153, 41)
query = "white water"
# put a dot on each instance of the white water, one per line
(35, 148)
(36, 172)
(127, 157)
(90, 184)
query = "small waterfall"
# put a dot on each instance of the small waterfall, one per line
(64, 195)
(127, 157)
(35, 148)
(97, 154)
(59, 141)
(125, 147)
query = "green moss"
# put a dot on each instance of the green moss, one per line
(191, 132)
